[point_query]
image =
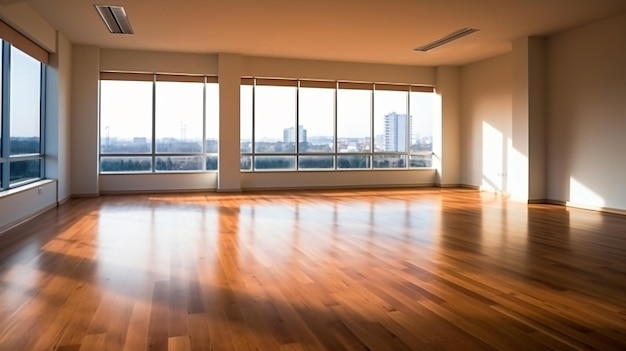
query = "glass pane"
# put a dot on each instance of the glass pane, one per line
(179, 163)
(245, 163)
(246, 118)
(390, 120)
(211, 163)
(125, 164)
(125, 116)
(212, 117)
(179, 114)
(21, 171)
(274, 162)
(354, 115)
(275, 119)
(418, 161)
(317, 120)
(422, 115)
(353, 161)
(25, 110)
(390, 161)
(316, 162)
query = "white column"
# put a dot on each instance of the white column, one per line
(447, 158)
(84, 120)
(229, 75)
(58, 99)
(527, 166)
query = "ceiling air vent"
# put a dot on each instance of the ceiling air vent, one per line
(446, 39)
(115, 18)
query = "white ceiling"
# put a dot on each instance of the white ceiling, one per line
(379, 31)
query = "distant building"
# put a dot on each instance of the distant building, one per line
(289, 134)
(395, 132)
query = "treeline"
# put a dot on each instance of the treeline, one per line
(162, 145)
(162, 164)
(21, 146)
(22, 170)
(326, 162)
(261, 163)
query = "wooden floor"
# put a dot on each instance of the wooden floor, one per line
(424, 269)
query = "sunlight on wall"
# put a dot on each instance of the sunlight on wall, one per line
(493, 159)
(518, 171)
(437, 135)
(581, 195)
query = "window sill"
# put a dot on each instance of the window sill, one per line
(26, 187)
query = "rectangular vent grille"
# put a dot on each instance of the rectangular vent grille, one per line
(446, 39)
(115, 19)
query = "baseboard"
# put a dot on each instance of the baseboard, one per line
(537, 201)
(449, 185)
(473, 187)
(160, 191)
(231, 190)
(597, 208)
(340, 187)
(81, 196)
(63, 201)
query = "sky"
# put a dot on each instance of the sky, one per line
(126, 110)
(25, 95)
(276, 110)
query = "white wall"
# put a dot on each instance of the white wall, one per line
(157, 62)
(447, 149)
(526, 173)
(486, 123)
(27, 21)
(58, 90)
(155, 182)
(587, 115)
(347, 179)
(25, 202)
(329, 70)
(84, 121)
(229, 145)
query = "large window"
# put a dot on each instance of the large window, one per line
(158, 123)
(391, 126)
(21, 121)
(324, 125)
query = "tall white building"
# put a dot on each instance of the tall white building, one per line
(395, 132)
(289, 134)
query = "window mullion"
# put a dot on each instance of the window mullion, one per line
(372, 127)
(6, 107)
(253, 148)
(335, 126)
(42, 121)
(297, 128)
(154, 123)
(407, 134)
(204, 152)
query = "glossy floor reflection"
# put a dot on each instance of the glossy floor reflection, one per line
(424, 269)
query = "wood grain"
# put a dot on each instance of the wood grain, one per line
(394, 269)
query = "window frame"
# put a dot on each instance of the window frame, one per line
(370, 155)
(154, 156)
(6, 159)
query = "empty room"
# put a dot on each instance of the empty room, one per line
(320, 175)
